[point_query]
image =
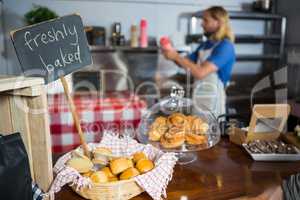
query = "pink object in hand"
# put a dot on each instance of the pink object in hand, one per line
(165, 43)
(143, 34)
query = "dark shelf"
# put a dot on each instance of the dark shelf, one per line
(257, 57)
(247, 15)
(240, 38)
(104, 49)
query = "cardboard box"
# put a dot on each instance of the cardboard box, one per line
(267, 123)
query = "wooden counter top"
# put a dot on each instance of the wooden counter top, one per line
(222, 172)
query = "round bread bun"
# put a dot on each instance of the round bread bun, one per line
(172, 143)
(88, 174)
(99, 177)
(195, 139)
(144, 165)
(82, 165)
(130, 162)
(102, 151)
(138, 156)
(78, 154)
(176, 119)
(119, 165)
(113, 179)
(129, 173)
(102, 155)
(108, 172)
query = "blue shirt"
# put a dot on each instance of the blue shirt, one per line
(223, 56)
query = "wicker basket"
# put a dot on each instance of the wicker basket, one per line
(119, 190)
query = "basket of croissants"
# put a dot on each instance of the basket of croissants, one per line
(118, 168)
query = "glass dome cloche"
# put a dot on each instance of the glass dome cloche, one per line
(178, 124)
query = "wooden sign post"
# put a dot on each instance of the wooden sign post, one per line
(53, 49)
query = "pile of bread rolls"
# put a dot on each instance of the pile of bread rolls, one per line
(176, 129)
(104, 167)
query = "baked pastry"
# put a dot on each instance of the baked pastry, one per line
(172, 143)
(200, 128)
(174, 133)
(173, 138)
(195, 139)
(138, 156)
(144, 165)
(155, 134)
(159, 121)
(189, 122)
(108, 172)
(129, 173)
(158, 128)
(176, 119)
(82, 165)
(99, 177)
(119, 165)
(78, 154)
(88, 174)
(112, 179)
(102, 155)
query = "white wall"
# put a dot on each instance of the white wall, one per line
(162, 16)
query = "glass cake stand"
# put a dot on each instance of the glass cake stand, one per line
(176, 103)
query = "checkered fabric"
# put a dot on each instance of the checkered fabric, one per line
(120, 113)
(154, 182)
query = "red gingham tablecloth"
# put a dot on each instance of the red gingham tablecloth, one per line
(119, 112)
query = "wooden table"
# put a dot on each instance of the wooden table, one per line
(222, 172)
(23, 108)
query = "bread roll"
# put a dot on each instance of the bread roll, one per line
(113, 179)
(139, 155)
(129, 173)
(108, 172)
(88, 174)
(99, 177)
(119, 165)
(102, 155)
(82, 165)
(144, 165)
(78, 154)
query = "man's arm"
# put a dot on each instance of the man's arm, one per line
(199, 71)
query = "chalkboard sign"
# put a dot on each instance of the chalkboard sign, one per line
(53, 48)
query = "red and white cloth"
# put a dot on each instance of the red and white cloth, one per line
(119, 112)
(154, 182)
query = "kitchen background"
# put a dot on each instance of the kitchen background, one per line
(257, 58)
